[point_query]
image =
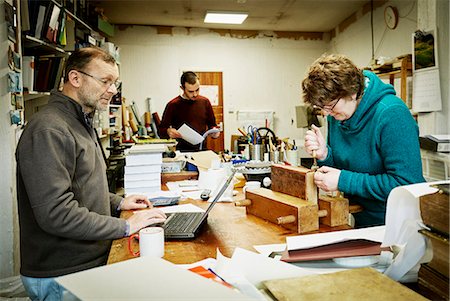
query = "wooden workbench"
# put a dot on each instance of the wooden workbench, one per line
(228, 227)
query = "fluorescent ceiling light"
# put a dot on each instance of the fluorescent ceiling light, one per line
(225, 17)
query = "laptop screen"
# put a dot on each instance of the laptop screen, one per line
(221, 191)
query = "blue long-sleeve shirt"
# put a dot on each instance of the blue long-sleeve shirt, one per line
(377, 149)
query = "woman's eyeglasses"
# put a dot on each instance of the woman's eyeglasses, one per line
(328, 108)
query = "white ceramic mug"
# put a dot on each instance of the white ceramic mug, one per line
(151, 242)
(249, 185)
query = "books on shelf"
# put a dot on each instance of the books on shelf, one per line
(28, 72)
(39, 21)
(47, 21)
(433, 284)
(48, 72)
(440, 245)
(51, 30)
(70, 40)
(434, 209)
(24, 15)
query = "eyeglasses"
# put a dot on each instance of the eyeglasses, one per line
(105, 82)
(328, 108)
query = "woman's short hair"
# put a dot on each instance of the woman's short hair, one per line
(332, 77)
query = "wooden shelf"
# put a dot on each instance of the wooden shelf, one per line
(34, 94)
(403, 73)
(73, 16)
(40, 46)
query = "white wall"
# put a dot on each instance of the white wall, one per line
(258, 74)
(356, 40)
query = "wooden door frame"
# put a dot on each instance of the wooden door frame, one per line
(214, 78)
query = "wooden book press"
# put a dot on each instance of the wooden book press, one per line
(294, 202)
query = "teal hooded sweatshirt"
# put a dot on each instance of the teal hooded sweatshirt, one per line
(377, 149)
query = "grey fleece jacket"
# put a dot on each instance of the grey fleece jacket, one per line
(63, 199)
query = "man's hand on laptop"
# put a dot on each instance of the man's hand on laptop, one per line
(143, 218)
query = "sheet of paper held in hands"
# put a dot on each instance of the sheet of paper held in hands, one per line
(191, 136)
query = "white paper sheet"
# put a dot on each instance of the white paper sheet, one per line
(257, 268)
(266, 250)
(207, 263)
(320, 239)
(181, 208)
(145, 278)
(403, 220)
(222, 267)
(190, 135)
(186, 190)
(209, 132)
(426, 91)
(403, 205)
(442, 138)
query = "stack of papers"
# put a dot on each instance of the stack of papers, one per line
(143, 169)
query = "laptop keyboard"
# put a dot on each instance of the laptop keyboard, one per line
(182, 222)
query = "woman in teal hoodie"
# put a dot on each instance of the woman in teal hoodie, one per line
(372, 144)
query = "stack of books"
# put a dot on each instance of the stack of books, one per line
(143, 169)
(434, 275)
(355, 244)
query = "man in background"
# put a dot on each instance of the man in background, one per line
(67, 215)
(189, 108)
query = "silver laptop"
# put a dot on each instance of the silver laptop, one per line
(187, 225)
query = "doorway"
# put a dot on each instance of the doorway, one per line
(211, 87)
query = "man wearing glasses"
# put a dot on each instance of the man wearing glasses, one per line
(372, 144)
(67, 215)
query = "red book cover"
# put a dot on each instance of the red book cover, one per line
(350, 248)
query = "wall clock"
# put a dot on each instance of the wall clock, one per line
(391, 17)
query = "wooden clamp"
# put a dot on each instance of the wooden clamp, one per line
(290, 212)
(336, 208)
(294, 203)
(295, 181)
